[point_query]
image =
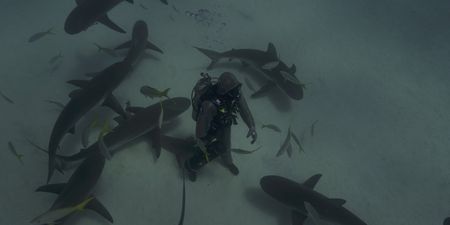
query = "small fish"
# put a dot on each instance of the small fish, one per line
(289, 77)
(6, 98)
(59, 104)
(143, 6)
(249, 85)
(53, 216)
(297, 141)
(270, 65)
(108, 51)
(272, 127)
(40, 35)
(285, 144)
(243, 151)
(175, 9)
(313, 126)
(153, 92)
(55, 58)
(13, 151)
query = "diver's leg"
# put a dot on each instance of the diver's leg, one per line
(226, 157)
(200, 158)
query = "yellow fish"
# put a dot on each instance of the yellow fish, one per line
(51, 217)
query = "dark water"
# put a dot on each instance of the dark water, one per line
(376, 75)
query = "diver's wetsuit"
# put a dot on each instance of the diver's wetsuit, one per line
(213, 129)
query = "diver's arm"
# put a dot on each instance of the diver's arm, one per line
(247, 117)
(207, 112)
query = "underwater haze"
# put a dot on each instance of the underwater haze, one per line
(373, 118)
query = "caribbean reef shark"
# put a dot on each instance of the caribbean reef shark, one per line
(88, 12)
(266, 62)
(138, 43)
(295, 196)
(90, 93)
(144, 122)
(76, 194)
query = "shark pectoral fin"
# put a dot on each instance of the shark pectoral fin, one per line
(112, 103)
(338, 201)
(134, 109)
(130, 1)
(72, 130)
(272, 51)
(98, 207)
(103, 149)
(153, 47)
(298, 218)
(52, 188)
(107, 22)
(79, 83)
(124, 45)
(155, 136)
(75, 93)
(312, 181)
(263, 90)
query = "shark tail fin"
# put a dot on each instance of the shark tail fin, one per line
(165, 93)
(213, 55)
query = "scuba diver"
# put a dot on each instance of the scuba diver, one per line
(215, 104)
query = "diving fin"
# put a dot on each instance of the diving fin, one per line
(98, 207)
(107, 22)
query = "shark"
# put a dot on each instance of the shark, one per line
(276, 72)
(138, 43)
(295, 195)
(75, 195)
(144, 121)
(88, 12)
(90, 94)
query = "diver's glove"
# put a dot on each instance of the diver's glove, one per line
(252, 133)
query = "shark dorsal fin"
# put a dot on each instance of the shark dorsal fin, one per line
(292, 69)
(312, 181)
(338, 201)
(272, 51)
(52, 188)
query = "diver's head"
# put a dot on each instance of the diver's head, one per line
(227, 84)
